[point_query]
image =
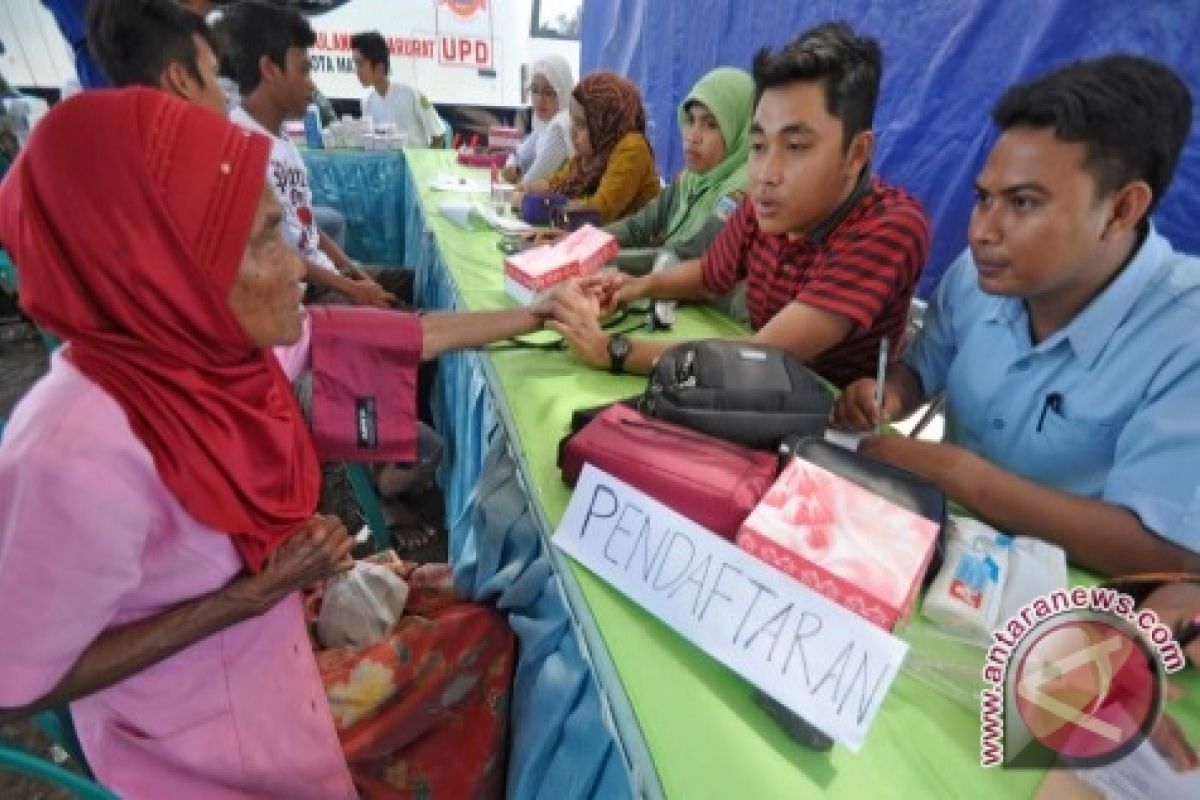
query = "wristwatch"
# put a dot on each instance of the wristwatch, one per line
(618, 350)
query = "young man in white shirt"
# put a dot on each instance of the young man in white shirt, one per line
(267, 55)
(389, 101)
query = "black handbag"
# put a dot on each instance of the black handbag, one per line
(745, 392)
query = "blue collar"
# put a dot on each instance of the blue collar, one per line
(1094, 326)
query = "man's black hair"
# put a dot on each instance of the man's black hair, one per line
(849, 66)
(250, 30)
(373, 48)
(134, 41)
(1133, 114)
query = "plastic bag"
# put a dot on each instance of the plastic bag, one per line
(1036, 569)
(360, 607)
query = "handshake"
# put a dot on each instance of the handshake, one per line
(575, 308)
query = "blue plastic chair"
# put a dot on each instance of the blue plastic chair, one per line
(8, 273)
(11, 281)
(368, 502)
(17, 759)
(58, 725)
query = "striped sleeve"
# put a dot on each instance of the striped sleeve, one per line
(724, 263)
(860, 276)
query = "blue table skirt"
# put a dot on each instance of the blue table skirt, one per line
(565, 742)
(368, 188)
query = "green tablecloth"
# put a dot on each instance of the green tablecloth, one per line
(705, 734)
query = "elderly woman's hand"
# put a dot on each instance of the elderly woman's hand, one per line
(319, 550)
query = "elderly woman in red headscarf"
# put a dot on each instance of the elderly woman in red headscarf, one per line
(613, 169)
(158, 488)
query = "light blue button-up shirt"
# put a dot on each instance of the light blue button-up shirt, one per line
(1108, 407)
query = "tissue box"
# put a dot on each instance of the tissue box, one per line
(503, 138)
(528, 274)
(858, 549)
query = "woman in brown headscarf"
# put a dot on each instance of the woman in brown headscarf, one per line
(613, 168)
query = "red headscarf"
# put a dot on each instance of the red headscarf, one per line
(613, 107)
(127, 216)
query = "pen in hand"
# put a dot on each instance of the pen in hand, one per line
(880, 378)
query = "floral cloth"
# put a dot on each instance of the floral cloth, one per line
(424, 713)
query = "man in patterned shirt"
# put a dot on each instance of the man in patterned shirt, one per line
(831, 254)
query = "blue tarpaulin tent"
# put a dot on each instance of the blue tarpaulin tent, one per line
(946, 62)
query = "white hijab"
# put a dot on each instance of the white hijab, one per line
(557, 72)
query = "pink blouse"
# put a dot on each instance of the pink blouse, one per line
(90, 539)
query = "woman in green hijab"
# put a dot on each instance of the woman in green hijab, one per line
(715, 122)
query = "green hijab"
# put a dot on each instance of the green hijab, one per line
(729, 94)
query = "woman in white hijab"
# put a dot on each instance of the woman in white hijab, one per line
(549, 145)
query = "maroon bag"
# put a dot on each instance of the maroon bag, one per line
(711, 481)
(364, 383)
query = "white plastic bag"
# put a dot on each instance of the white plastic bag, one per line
(362, 606)
(1035, 568)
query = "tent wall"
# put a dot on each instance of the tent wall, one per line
(946, 62)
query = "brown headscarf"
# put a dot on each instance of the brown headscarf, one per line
(613, 107)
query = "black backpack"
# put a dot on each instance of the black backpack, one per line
(748, 393)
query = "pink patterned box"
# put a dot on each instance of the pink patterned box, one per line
(851, 545)
(503, 138)
(528, 274)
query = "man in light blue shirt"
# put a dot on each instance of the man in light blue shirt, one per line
(1067, 339)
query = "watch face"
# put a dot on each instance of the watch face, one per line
(618, 346)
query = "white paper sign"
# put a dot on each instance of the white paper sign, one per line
(828, 665)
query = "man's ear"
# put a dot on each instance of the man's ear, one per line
(178, 80)
(858, 155)
(267, 69)
(1130, 203)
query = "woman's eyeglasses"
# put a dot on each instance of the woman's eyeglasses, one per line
(543, 91)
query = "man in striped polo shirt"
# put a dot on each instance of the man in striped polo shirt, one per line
(831, 254)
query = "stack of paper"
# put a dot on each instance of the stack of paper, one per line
(474, 214)
(459, 183)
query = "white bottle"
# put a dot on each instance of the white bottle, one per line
(965, 598)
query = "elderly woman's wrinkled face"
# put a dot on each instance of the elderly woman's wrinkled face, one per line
(544, 98)
(266, 295)
(581, 139)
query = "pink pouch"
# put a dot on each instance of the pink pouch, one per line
(364, 383)
(483, 158)
(711, 481)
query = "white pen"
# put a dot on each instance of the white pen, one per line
(880, 377)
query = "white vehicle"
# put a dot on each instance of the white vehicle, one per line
(458, 52)
(35, 53)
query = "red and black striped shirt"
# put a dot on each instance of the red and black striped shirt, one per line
(863, 265)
